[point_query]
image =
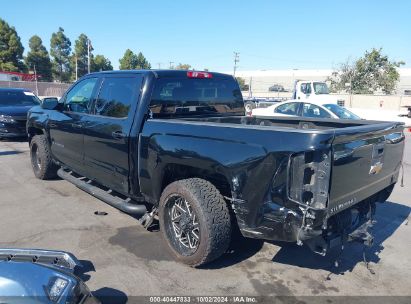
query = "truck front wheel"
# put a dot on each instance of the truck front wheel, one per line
(195, 221)
(41, 160)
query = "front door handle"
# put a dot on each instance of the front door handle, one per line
(118, 135)
(75, 125)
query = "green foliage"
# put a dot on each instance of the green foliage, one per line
(38, 57)
(369, 74)
(182, 66)
(101, 63)
(242, 84)
(142, 63)
(81, 55)
(60, 48)
(131, 61)
(11, 49)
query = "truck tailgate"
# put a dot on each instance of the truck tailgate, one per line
(366, 159)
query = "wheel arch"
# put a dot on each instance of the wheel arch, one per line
(33, 131)
(174, 172)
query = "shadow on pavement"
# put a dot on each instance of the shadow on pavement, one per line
(110, 296)
(82, 272)
(240, 249)
(3, 153)
(17, 139)
(389, 218)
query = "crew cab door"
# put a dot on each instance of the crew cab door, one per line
(107, 131)
(66, 126)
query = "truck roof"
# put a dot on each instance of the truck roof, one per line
(163, 73)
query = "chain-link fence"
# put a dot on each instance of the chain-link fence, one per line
(40, 89)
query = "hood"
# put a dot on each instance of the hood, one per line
(15, 110)
(28, 279)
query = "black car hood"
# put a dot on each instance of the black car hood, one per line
(15, 110)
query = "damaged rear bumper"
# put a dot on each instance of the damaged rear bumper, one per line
(316, 228)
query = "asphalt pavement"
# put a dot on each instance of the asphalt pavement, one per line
(123, 259)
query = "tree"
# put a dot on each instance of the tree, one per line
(142, 63)
(131, 61)
(81, 56)
(101, 63)
(182, 66)
(371, 73)
(11, 49)
(242, 84)
(60, 48)
(39, 58)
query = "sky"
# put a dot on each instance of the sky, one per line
(268, 34)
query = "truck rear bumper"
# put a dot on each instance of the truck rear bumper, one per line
(281, 224)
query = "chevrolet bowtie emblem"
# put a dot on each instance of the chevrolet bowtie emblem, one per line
(376, 168)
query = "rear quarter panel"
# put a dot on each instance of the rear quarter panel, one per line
(247, 156)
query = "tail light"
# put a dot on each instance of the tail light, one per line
(194, 74)
(309, 178)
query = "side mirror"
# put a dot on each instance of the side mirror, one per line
(50, 103)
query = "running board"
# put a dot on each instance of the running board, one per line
(124, 205)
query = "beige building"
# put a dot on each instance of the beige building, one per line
(263, 79)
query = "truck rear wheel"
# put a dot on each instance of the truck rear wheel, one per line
(195, 221)
(41, 160)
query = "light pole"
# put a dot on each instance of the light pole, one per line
(236, 59)
(75, 57)
(88, 56)
(35, 78)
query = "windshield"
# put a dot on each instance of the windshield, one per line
(18, 98)
(341, 112)
(320, 88)
(187, 97)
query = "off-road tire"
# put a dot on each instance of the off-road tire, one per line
(213, 218)
(40, 151)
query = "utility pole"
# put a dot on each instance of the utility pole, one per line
(171, 64)
(88, 56)
(35, 78)
(159, 65)
(75, 56)
(236, 59)
(250, 88)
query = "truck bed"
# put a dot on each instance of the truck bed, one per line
(324, 165)
(289, 122)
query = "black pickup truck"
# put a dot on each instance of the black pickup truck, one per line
(176, 146)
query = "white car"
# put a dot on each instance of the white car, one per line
(305, 109)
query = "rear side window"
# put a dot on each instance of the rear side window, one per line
(117, 96)
(290, 108)
(311, 110)
(187, 97)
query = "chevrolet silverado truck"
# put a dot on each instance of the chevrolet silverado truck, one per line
(176, 146)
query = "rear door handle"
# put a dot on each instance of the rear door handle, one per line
(118, 135)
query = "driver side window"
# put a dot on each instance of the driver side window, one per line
(79, 98)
